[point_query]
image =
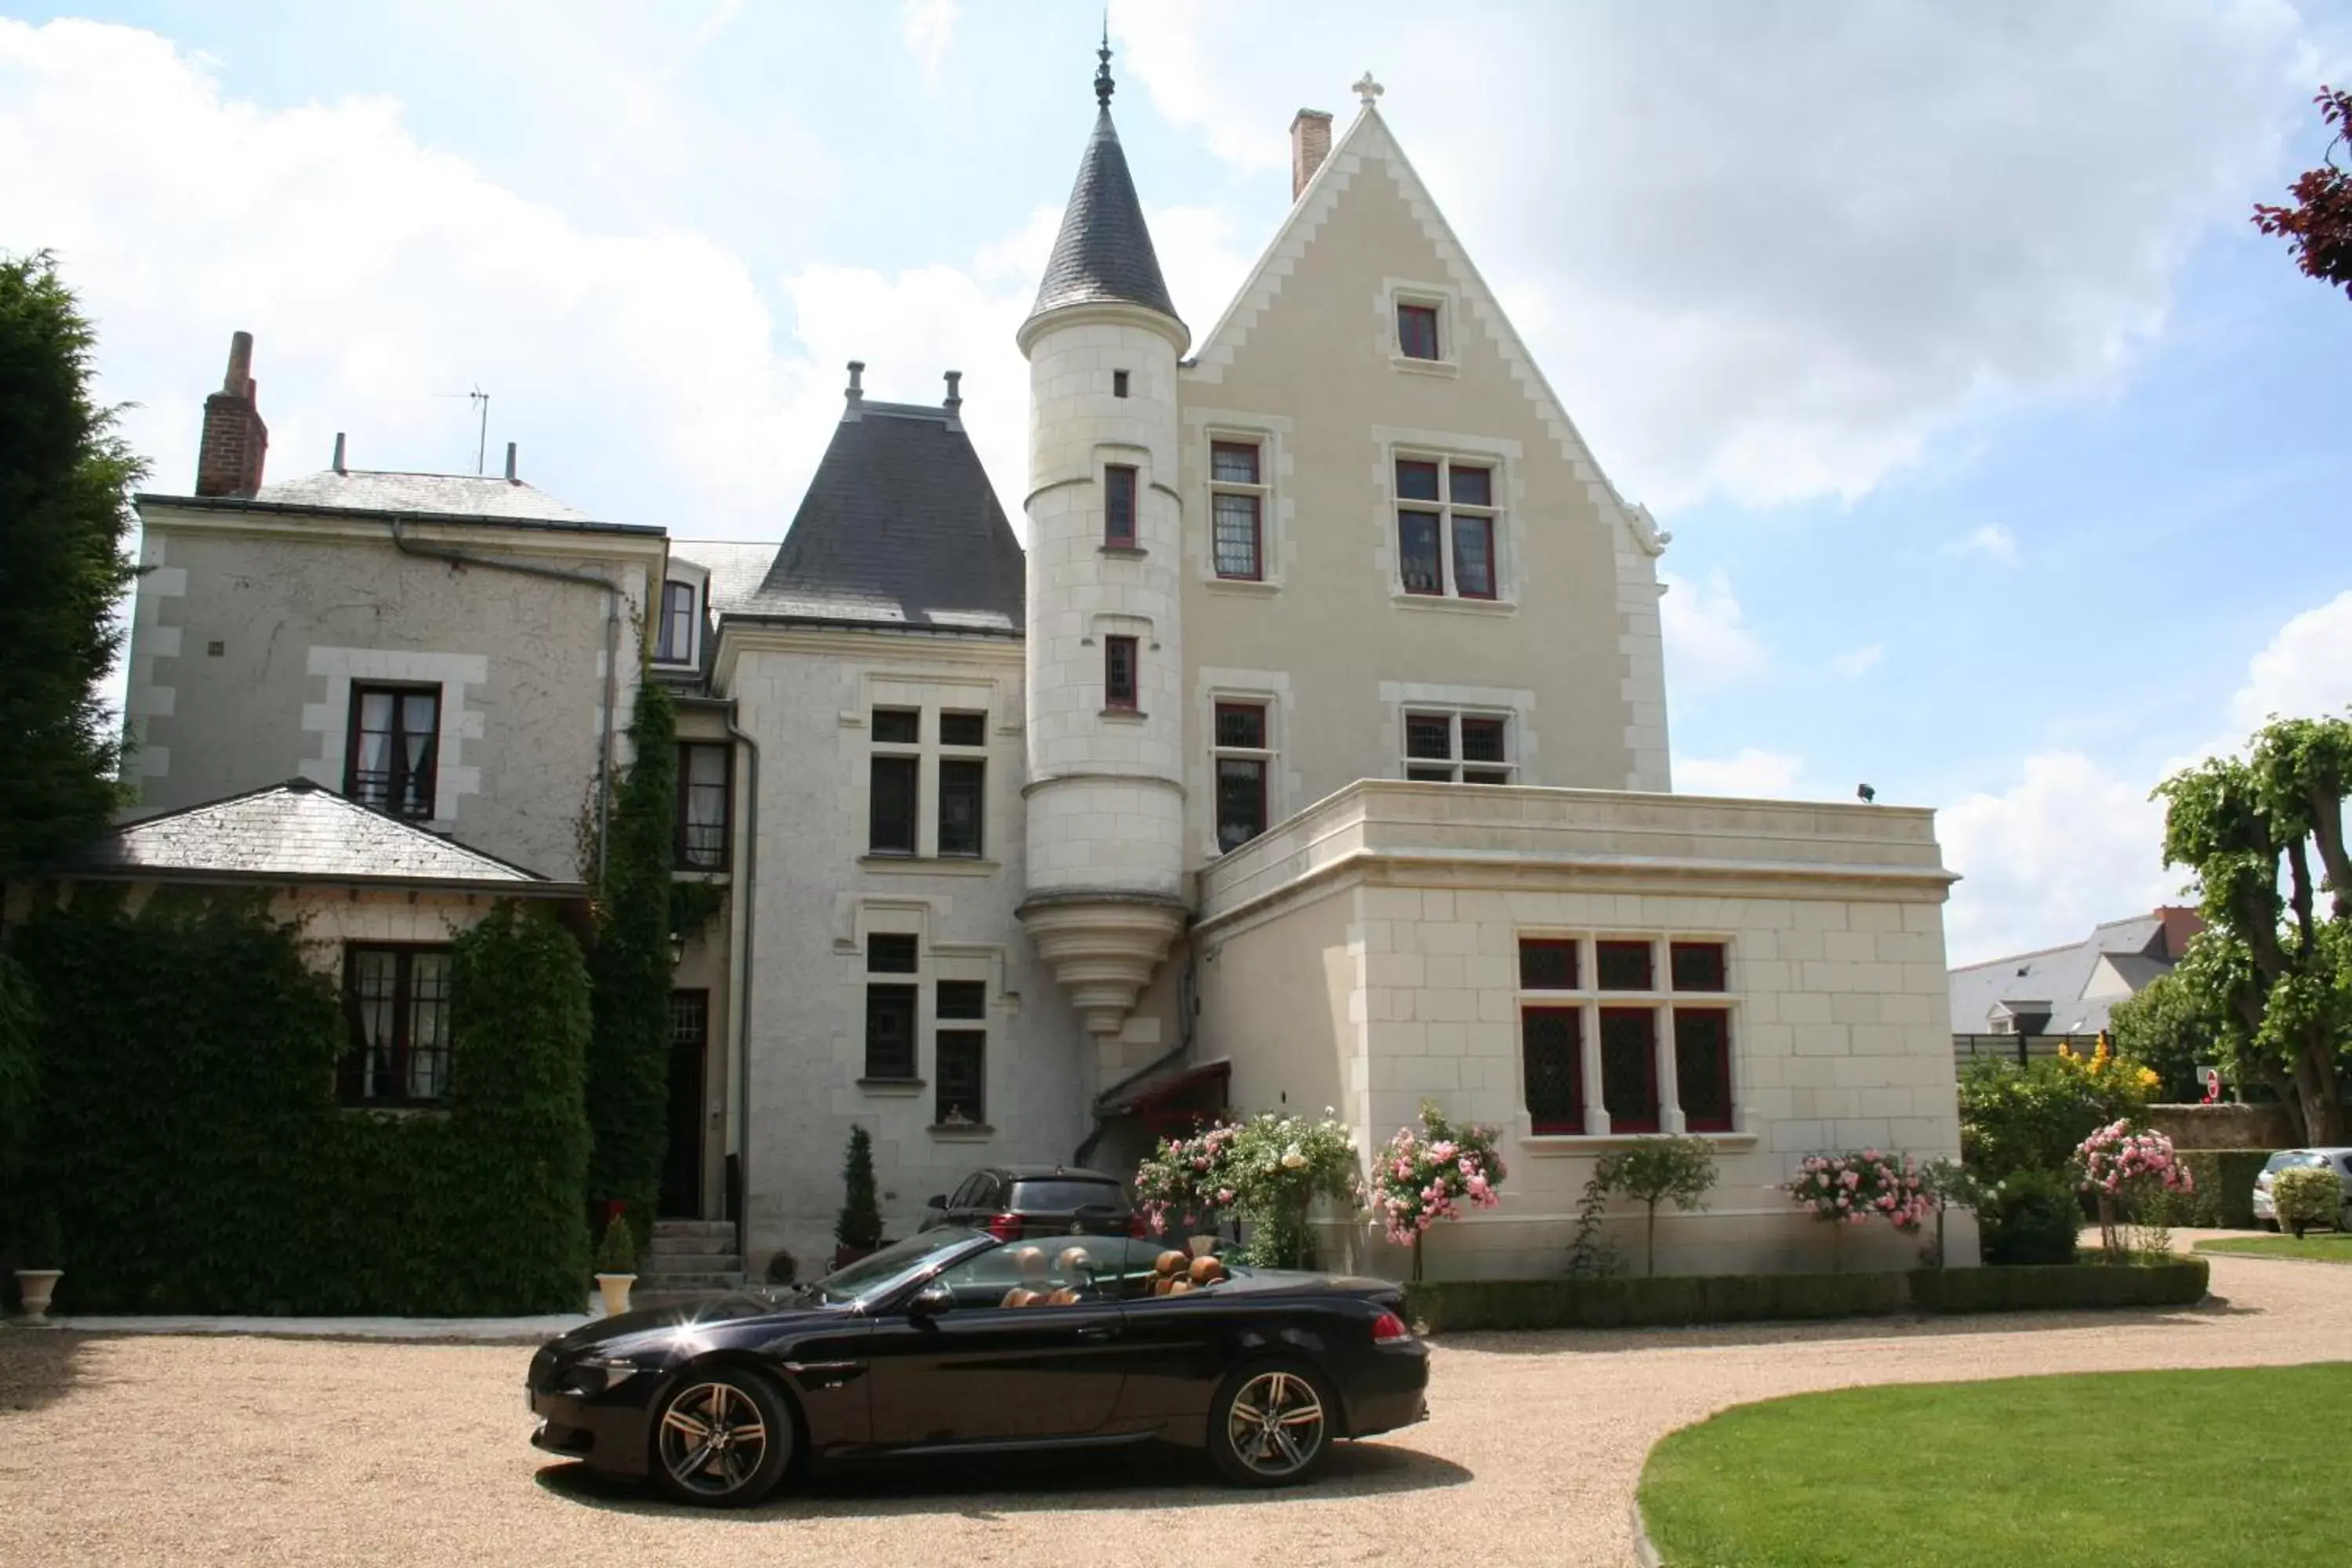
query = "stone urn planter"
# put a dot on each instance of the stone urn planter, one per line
(614, 1289)
(37, 1286)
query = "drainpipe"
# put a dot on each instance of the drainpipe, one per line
(740, 1033)
(611, 592)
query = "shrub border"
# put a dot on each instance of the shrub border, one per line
(1679, 1300)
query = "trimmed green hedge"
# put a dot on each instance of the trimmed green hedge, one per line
(1455, 1305)
(187, 1131)
(2224, 1198)
(1674, 1300)
(2059, 1286)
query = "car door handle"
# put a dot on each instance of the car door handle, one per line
(1095, 1332)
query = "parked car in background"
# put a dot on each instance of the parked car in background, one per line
(1012, 1202)
(954, 1340)
(2336, 1160)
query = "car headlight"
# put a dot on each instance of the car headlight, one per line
(601, 1374)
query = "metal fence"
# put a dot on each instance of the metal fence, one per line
(2018, 1049)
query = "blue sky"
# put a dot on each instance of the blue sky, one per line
(2005, 462)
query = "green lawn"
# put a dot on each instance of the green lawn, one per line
(2325, 1246)
(2210, 1469)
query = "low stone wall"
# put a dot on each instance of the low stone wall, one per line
(2225, 1126)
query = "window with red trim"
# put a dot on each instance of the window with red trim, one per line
(1119, 506)
(1629, 1067)
(1119, 673)
(1551, 1043)
(1703, 1067)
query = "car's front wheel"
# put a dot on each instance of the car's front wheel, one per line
(721, 1438)
(1273, 1424)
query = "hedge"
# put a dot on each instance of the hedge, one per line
(2224, 1198)
(1674, 1300)
(188, 1138)
(2057, 1287)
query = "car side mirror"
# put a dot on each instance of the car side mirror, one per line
(930, 1301)
(936, 1201)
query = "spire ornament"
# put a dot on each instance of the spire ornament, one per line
(1103, 83)
(1367, 89)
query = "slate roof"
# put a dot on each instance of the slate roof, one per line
(2058, 977)
(453, 495)
(1104, 252)
(737, 567)
(900, 527)
(297, 831)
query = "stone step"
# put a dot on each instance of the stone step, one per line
(690, 1246)
(663, 1227)
(684, 1280)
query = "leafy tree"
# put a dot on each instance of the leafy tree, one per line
(2171, 1025)
(2275, 973)
(2032, 1118)
(628, 1060)
(859, 1225)
(1655, 1171)
(65, 478)
(2318, 227)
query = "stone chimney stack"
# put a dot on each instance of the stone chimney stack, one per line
(234, 441)
(1310, 143)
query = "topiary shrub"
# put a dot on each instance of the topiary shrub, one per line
(858, 1227)
(617, 1253)
(1655, 1171)
(2306, 1197)
(2033, 1216)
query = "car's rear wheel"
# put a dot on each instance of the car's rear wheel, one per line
(721, 1438)
(1272, 1424)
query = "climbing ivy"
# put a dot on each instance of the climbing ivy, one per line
(628, 1061)
(187, 1137)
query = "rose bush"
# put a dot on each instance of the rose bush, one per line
(1266, 1173)
(1422, 1178)
(1856, 1188)
(2122, 1169)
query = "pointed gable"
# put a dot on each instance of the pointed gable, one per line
(900, 527)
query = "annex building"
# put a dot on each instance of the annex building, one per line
(1307, 746)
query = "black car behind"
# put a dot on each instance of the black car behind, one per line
(1014, 1202)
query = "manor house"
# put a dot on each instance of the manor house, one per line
(1307, 748)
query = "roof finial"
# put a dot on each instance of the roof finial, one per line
(1102, 72)
(1367, 89)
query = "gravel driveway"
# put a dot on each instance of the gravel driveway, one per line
(137, 1449)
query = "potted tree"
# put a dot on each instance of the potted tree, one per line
(857, 1230)
(42, 1257)
(617, 1264)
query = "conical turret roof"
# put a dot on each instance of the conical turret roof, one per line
(1104, 254)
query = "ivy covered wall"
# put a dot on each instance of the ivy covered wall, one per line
(187, 1137)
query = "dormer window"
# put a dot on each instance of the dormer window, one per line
(680, 609)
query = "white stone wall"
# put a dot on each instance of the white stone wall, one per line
(1105, 808)
(807, 698)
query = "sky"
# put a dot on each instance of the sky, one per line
(2005, 462)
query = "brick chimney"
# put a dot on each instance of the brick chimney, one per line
(1310, 143)
(2180, 925)
(235, 440)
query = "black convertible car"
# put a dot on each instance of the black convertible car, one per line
(955, 1342)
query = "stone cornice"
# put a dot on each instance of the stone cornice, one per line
(346, 526)
(737, 636)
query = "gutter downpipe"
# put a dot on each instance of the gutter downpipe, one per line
(740, 1033)
(1186, 990)
(611, 592)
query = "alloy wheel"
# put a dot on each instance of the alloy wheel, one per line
(713, 1439)
(1276, 1425)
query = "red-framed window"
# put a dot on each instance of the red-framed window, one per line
(1548, 964)
(1703, 1067)
(1119, 673)
(1699, 966)
(1417, 332)
(1119, 506)
(1629, 1067)
(1551, 1046)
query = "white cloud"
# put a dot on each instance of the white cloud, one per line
(646, 375)
(1707, 644)
(1992, 542)
(1750, 773)
(2304, 671)
(928, 29)
(1776, 256)
(1861, 661)
(2076, 842)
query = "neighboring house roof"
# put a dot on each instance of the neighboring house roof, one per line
(2076, 984)
(298, 831)
(900, 527)
(737, 568)
(1104, 253)
(457, 496)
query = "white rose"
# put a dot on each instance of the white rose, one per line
(1292, 1158)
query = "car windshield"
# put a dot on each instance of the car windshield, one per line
(893, 1266)
(1052, 1197)
(2285, 1158)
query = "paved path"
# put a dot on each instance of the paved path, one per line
(160, 1449)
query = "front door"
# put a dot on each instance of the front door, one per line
(689, 1036)
(984, 1371)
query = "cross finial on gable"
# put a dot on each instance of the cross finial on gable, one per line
(1367, 89)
